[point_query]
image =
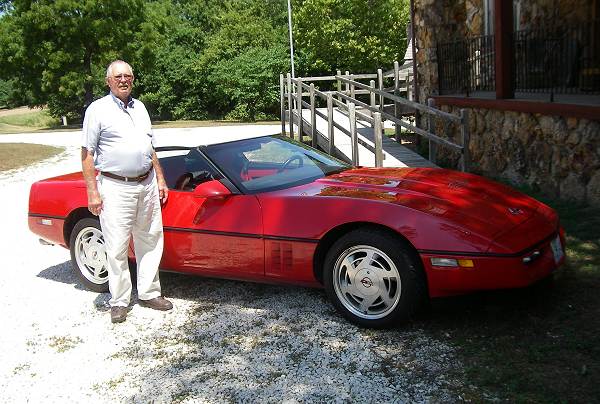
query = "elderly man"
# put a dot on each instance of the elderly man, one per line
(126, 191)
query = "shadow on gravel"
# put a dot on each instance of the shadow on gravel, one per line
(62, 273)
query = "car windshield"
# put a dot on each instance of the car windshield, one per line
(271, 163)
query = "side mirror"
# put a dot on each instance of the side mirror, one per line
(212, 190)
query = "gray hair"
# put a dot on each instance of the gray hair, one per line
(114, 62)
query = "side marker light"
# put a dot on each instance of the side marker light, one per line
(451, 262)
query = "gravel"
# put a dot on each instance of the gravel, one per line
(224, 341)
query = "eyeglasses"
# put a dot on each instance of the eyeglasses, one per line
(125, 77)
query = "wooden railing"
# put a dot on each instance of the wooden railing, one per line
(293, 92)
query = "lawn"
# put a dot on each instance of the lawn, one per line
(27, 121)
(538, 344)
(15, 155)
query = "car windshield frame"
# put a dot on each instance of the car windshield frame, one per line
(232, 158)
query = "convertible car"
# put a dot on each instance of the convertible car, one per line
(381, 241)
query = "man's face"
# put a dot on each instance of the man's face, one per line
(120, 81)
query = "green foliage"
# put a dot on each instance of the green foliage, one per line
(58, 50)
(243, 58)
(354, 35)
(193, 59)
(5, 90)
(249, 82)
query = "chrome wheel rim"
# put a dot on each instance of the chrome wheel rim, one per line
(367, 282)
(90, 254)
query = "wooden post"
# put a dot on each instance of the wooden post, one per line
(282, 103)
(466, 138)
(330, 133)
(378, 137)
(347, 86)
(380, 84)
(504, 49)
(431, 129)
(339, 85)
(352, 93)
(290, 105)
(353, 133)
(299, 107)
(372, 94)
(313, 116)
(396, 104)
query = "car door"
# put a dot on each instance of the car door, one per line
(218, 235)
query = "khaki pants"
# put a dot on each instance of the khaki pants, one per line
(131, 209)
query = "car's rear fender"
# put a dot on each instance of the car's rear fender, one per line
(72, 219)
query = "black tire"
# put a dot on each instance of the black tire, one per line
(373, 279)
(88, 256)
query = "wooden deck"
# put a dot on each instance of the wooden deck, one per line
(395, 155)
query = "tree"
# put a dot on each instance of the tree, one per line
(170, 83)
(244, 54)
(250, 82)
(355, 35)
(57, 50)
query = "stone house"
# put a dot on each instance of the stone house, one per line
(528, 72)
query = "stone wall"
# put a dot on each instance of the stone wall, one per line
(559, 156)
(436, 21)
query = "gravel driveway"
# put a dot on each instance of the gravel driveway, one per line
(224, 341)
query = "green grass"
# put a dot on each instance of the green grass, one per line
(34, 120)
(538, 344)
(28, 121)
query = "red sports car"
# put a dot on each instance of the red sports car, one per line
(268, 209)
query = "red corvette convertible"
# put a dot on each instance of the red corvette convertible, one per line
(268, 209)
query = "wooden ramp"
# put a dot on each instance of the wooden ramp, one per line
(394, 154)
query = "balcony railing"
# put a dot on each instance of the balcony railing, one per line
(563, 60)
(466, 66)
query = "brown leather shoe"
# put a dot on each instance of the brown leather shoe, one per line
(118, 314)
(158, 303)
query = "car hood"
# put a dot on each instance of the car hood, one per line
(472, 202)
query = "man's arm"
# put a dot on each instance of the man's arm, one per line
(89, 175)
(163, 190)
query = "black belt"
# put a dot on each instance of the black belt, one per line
(139, 178)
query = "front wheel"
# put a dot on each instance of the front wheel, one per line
(88, 254)
(373, 279)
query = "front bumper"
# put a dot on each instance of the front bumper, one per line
(501, 271)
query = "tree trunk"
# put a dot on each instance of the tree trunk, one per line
(88, 85)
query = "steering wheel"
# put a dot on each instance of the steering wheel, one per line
(183, 180)
(190, 181)
(289, 160)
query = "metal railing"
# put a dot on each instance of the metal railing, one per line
(560, 60)
(466, 66)
(294, 91)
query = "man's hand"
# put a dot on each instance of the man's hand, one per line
(163, 190)
(89, 175)
(94, 202)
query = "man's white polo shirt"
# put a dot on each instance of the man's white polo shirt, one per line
(120, 136)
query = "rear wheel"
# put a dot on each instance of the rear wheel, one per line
(88, 254)
(373, 279)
